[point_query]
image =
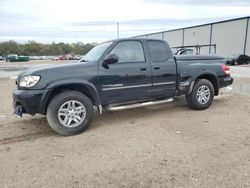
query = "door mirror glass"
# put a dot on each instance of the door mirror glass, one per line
(110, 59)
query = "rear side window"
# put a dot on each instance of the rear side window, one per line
(129, 51)
(158, 51)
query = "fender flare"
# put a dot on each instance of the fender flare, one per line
(84, 83)
(206, 73)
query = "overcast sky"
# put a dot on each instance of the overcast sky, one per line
(95, 20)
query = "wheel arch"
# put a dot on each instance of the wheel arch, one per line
(212, 78)
(86, 88)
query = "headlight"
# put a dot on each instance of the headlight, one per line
(29, 81)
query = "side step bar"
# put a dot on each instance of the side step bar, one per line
(137, 105)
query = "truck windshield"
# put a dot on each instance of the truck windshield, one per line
(96, 52)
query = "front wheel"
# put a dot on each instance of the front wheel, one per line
(202, 95)
(69, 113)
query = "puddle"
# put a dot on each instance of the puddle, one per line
(10, 75)
(12, 69)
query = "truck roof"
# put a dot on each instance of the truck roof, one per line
(139, 39)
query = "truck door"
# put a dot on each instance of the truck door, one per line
(164, 73)
(128, 80)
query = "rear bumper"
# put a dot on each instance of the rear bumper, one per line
(31, 101)
(226, 81)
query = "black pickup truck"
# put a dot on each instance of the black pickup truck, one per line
(115, 75)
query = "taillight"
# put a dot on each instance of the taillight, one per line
(226, 69)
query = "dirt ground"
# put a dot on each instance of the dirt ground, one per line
(159, 146)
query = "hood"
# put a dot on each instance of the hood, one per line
(54, 73)
(43, 68)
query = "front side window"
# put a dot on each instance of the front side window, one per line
(129, 51)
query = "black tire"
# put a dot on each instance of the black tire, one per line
(58, 101)
(192, 99)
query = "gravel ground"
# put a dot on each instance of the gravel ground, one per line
(159, 146)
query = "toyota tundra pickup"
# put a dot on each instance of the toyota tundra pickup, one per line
(115, 75)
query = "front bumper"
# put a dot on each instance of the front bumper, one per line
(31, 101)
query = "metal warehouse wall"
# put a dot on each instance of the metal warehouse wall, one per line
(174, 38)
(230, 36)
(142, 36)
(248, 39)
(155, 36)
(198, 35)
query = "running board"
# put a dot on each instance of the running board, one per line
(137, 105)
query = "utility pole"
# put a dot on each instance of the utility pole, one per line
(117, 26)
(76, 37)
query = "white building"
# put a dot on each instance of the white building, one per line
(230, 36)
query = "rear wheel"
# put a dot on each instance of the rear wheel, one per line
(236, 63)
(69, 113)
(202, 95)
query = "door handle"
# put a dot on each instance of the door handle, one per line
(143, 69)
(157, 68)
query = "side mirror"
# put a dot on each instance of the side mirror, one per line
(110, 59)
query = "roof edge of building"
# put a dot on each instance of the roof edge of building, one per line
(190, 27)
